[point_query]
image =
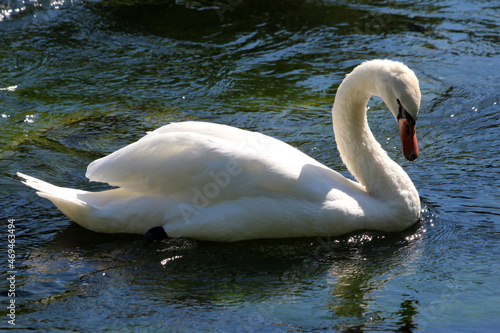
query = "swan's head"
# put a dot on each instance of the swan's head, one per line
(399, 89)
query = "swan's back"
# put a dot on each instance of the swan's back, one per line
(177, 159)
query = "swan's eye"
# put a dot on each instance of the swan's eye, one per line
(403, 114)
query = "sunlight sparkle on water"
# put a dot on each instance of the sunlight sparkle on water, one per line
(30, 118)
(165, 261)
(11, 88)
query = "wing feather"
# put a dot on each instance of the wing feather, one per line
(189, 158)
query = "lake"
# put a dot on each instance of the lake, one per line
(81, 79)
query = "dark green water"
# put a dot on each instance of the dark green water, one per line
(80, 79)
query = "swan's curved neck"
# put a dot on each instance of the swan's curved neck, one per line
(359, 150)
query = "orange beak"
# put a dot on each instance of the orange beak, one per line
(408, 138)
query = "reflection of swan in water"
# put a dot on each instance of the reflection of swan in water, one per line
(355, 276)
(215, 182)
(329, 281)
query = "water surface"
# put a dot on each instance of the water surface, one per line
(81, 79)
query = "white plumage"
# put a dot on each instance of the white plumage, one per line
(215, 182)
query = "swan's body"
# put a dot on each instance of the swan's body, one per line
(219, 183)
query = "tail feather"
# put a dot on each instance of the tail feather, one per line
(66, 199)
(108, 211)
(50, 191)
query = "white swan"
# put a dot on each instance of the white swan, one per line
(214, 182)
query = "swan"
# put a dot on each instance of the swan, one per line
(214, 182)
